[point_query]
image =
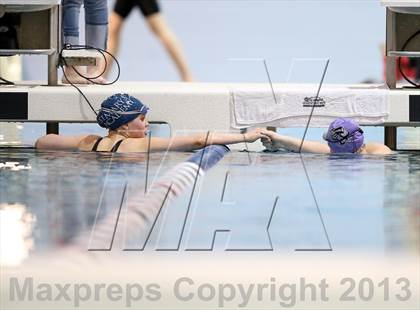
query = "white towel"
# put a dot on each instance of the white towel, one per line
(255, 104)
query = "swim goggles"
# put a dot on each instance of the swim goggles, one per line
(143, 110)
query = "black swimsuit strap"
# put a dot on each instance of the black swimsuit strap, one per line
(95, 146)
(116, 146)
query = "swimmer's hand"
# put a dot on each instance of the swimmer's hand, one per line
(269, 146)
(268, 140)
(253, 135)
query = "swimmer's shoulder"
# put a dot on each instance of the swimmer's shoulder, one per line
(133, 145)
(377, 148)
(87, 143)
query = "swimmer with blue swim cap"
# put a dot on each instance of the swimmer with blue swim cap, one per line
(119, 109)
(125, 117)
(343, 136)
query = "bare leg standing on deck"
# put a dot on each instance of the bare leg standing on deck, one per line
(157, 25)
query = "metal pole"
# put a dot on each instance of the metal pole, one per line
(391, 137)
(54, 44)
(53, 127)
(390, 64)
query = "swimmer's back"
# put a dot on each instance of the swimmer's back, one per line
(121, 144)
(95, 143)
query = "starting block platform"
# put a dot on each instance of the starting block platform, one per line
(184, 106)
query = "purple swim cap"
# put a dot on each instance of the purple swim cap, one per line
(344, 136)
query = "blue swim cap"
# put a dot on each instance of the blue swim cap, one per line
(119, 109)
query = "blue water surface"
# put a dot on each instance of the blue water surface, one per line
(356, 202)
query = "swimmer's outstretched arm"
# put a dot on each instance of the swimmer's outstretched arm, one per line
(190, 143)
(58, 142)
(293, 144)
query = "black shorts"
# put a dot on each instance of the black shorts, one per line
(147, 7)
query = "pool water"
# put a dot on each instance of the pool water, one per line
(359, 203)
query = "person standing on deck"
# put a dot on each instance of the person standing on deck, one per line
(157, 24)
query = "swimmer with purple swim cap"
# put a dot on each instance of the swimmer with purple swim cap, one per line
(343, 136)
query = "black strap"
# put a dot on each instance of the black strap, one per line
(95, 146)
(116, 146)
